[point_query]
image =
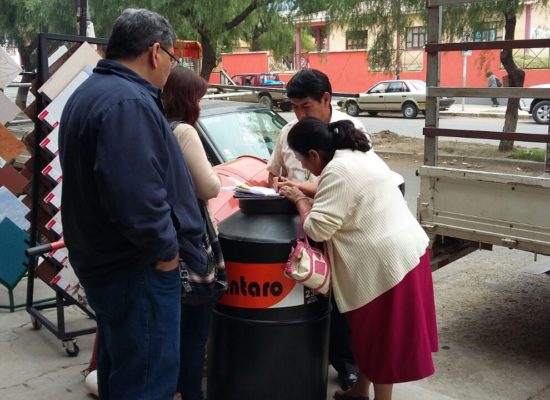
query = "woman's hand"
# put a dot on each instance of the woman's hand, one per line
(292, 193)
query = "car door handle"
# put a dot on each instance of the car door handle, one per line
(380, 96)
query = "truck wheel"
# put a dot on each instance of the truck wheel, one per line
(352, 108)
(409, 110)
(266, 100)
(541, 112)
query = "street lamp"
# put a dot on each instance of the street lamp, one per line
(465, 55)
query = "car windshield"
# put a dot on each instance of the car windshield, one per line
(246, 132)
(418, 85)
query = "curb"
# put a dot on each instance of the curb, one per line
(470, 159)
(481, 114)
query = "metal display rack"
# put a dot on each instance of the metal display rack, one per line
(62, 298)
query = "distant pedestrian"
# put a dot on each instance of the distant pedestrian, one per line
(493, 82)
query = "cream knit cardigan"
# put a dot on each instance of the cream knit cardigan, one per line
(373, 239)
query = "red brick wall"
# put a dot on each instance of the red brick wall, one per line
(241, 63)
(348, 70)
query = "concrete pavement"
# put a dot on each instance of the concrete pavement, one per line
(481, 111)
(34, 365)
(492, 319)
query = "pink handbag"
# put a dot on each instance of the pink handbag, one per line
(309, 265)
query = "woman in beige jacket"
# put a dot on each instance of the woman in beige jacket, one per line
(381, 276)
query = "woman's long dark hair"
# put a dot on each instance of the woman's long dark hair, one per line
(314, 134)
(181, 94)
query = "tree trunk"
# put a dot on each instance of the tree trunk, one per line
(208, 55)
(28, 63)
(516, 77)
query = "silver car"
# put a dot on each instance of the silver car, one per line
(407, 96)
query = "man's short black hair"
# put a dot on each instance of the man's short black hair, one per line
(135, 30)
(308, 83)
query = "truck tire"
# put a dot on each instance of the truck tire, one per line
(541, 112)
(352, 108)
(266, 100)
(409, 110)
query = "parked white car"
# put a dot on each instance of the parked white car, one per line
(538, 108)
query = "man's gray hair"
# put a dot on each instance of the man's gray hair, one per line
(135, 30)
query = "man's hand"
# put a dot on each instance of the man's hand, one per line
(280, 182)
(166, 266)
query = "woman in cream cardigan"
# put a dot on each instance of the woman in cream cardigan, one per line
(181, 96)
(381, 276)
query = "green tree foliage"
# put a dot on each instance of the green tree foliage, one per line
(218, 26)
(279, 36)
(22, 20)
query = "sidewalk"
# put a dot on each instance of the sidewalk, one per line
(482, 111)
(470, 110)
(35, 366)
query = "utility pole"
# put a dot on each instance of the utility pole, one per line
(82, 16)
(398, 56)
(465, 55)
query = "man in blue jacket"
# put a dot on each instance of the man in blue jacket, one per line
(129, 207)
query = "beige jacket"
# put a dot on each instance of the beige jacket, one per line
(207, 183)
(373, 239)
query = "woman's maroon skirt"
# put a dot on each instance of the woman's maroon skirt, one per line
(394, 335)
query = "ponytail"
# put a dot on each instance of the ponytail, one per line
(314, 134)
(347, 136)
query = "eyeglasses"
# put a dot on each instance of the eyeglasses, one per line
(173, 60)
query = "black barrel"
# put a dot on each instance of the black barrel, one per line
(269, 336)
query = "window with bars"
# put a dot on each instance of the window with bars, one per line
(487, 33)
(415, 37)
(356, 40)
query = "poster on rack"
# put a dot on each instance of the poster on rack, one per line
(9, 69)
(84, 56)
(11, 207)
(52, 113)
(8, 109)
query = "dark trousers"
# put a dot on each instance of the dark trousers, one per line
(139, 334)
(340, 355)
(195, 324)
(495, 101)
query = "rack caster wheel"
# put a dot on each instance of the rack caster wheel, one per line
(71, 348)
(36, 324)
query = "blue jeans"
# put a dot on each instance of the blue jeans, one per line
(139, 332)
(195, 324)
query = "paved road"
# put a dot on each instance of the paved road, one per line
(413, 127)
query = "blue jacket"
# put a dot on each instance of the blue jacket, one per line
(128, 199)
